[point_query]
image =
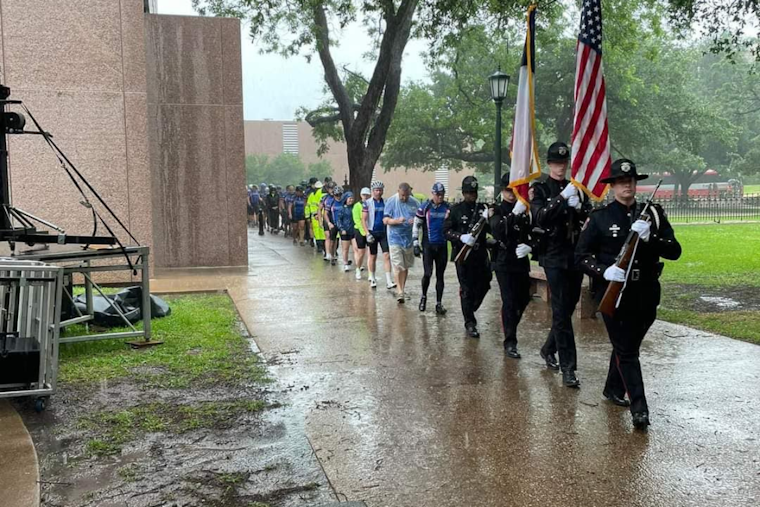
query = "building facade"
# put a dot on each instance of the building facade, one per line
(137, 102)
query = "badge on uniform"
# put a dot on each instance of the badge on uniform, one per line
(615, 228)
(585, 224)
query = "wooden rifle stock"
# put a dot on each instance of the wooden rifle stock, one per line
(614, 291)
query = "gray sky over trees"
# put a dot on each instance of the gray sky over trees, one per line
(274, 87)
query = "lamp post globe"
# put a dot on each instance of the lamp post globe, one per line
(499, 83)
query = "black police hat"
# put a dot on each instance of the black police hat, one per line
(470, 184)
(313, 180)
(558, 152)
(299, 188)
(505, 181)
(623, 168)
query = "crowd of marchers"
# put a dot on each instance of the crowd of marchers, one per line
(555, 224)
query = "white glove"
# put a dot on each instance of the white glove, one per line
(519, 208)
(370, 238)
(569, 191)
(574, 202)
(486, 213)
(614, 274)
(643, 228)
(523, 250)
(467, 239)
(416, 243)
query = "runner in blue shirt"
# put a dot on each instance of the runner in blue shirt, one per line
(373, 210)
(429, 222)
(296, 213)
(400, 211)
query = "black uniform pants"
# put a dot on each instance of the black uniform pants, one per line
(627, 329)
(438, 255)
(273, 220)
(565, 291)
(474, 276)
(515, 296)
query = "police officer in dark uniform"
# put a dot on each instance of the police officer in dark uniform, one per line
(601, 240)
(510, 225)
(474, 274)
(560, 211)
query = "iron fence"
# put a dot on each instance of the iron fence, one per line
(711, 208)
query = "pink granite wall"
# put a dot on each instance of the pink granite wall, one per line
(195, 111)
(80, 68)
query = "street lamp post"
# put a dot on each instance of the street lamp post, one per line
(499, 82)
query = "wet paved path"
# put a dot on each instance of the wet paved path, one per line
(403, 410)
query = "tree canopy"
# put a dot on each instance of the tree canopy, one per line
(672, 106)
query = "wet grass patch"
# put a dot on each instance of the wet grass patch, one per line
(110, 431)
(203, 345)
(715, 285)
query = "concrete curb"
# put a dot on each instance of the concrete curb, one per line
(19, 468)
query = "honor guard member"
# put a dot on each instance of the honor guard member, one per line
(474, 274)
(560, 211)
(602, 238)
(510, 226)
(429, 221)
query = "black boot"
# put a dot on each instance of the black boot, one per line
(472, 331)
(613, 398)
(551, 361)
(511, 350)
(439, 309)
(569, 379)
(640, 420)
(423, 303)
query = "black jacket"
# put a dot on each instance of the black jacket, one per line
(560, 222)
(461, 219)
(605, 233)
(509, 230)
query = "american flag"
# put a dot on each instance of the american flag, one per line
(590, 154)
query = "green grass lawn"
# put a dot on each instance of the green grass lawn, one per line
(751, 189)
(716, 259)
(202, 345)
(716, 255)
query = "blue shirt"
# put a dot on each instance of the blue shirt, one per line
(377, 226)
(327, 202)
(434, 216)
(299, 205)
(401, 234)
(337, 205)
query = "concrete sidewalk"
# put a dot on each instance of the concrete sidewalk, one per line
(19, 472)
(403, 410)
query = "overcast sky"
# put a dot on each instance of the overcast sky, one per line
(275, 87)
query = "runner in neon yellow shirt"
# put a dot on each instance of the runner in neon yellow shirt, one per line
(360, 235)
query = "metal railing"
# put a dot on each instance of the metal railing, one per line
(711, 208)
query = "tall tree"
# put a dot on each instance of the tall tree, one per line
(363, 119)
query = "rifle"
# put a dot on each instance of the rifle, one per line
(614, 293)
(475, 230)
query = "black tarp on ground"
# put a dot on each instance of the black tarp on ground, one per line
(128, 301)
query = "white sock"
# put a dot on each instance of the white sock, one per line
(389, 278)
(371, 275)
(358, 271)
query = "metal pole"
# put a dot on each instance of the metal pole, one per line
(5, 186)
(497, 166)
